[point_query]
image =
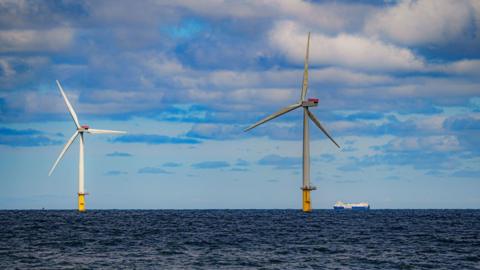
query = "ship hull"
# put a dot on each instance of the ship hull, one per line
(336, 208)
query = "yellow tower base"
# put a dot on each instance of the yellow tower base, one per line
(306, 200)
(81, 202)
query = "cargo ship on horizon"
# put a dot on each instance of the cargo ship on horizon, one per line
(351, 206)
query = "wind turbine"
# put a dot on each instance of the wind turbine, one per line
(81, 129)
(305, 104)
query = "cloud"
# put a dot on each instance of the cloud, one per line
(326, 16)
(441, 131)
(465, 67)
(118, 154)
(432, 153)
(25, 14)
(26, 138)
(345, 50)
(249, 74)
(280, 162)
(442, 143)
(152, 72)
(365, 116)
(153, 170)
(427, 22)
(344, 76)
(391, 125)
(270, 85)
(419, 160)
(466, 128)
(153, 139)
(35, 40)
(19, 71)
(211, 165)
(215, 131)
(462, 123)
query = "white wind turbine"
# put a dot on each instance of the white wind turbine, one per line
(81, 129)
(311, 102)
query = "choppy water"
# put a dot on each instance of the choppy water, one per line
(241, 239)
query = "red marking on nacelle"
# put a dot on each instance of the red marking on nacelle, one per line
(315, 100)
(85, 127)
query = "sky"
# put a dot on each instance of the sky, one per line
(398, 84)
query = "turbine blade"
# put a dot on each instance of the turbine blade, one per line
(315, 120)
(275, 115)
(69, 106)
(104, 131)
(305, 71)
(67, 145)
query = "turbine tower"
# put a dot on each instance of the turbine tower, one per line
(305, 104)
(81, 129)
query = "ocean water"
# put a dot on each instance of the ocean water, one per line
(240, 239)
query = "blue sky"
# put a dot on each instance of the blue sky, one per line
(398, 83)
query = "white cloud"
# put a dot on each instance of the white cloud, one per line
(329, 17)
(469, 67)
(440, 91)
(292, 77)
(346, 77)
(244, 99)
(262, 95)
(426, 21)
(431, 124)
(6, 68)
(162, 65)
(35, 40)
(32, 103)
(342, 50)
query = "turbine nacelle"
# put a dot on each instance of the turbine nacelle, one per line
(83, 128)
(311, 102)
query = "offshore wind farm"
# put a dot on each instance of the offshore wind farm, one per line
(189, 175)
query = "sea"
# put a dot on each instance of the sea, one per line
(240, 239)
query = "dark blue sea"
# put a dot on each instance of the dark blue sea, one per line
(240, 239)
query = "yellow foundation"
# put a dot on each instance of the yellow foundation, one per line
(306, 201)
(81, 202)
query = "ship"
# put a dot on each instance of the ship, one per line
(351, 206)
